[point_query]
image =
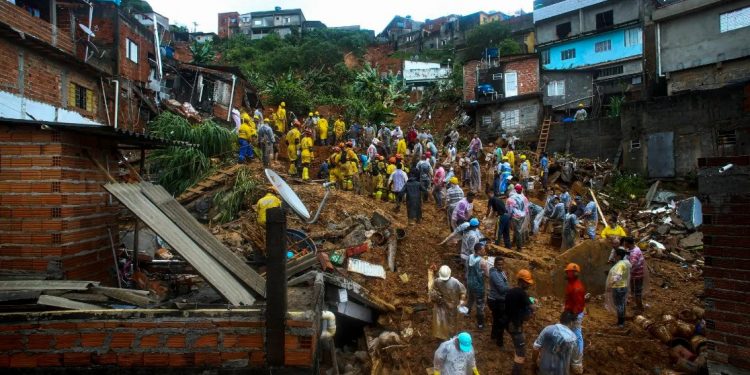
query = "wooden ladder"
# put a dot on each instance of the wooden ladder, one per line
(541, 146)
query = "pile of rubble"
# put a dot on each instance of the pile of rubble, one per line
(684, 334)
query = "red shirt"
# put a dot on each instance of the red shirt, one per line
(575, 296)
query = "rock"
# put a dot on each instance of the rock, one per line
(691, 241)
(621, 350)
(663, 229)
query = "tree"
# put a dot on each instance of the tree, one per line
(203, 53)
(490, 35)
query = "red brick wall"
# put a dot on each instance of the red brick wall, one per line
(128, 69)
(226, 27)
(20, 20)
(54, 213)
(220, 339)
(528, 74)
(726, 222)
(470, 80)
(182, 52)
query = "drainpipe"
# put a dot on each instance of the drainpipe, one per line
(276, 284)
(231, 97)
(88, 35)
(658, 50)
(157, 48)
(117, 100)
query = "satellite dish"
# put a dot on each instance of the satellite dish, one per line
(287, 194)
(86, 30)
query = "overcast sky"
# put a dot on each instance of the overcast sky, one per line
(370, 14)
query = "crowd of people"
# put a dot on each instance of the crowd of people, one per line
(386, 163)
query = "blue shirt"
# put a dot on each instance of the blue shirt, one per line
(565, 198)
(591, 209)
(545, 164)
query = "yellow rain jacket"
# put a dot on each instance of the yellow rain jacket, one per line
(268, 201)
(292, 140)
(280, 119)
(306, 145)
(323, 128)
(339, 127)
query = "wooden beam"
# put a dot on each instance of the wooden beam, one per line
(66, 303)
(124, 295)
(601, 214)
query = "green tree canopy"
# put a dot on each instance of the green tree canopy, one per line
(490, 35)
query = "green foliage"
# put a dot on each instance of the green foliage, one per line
(615, 105)
(231, 201)
(490, 35)
(178, 29)
(180, 167)
(428, 55)
(623, 187)
(203, 53)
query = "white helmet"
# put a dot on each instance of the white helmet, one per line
(444, 273)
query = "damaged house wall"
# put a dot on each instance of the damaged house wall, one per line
(596, 138)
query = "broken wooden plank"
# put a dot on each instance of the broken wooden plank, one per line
(19, 295)
(66, 303)
(598, 208)
(125, 295)
(86, 297)
(392, 249)
(47, 285)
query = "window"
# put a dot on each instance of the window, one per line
(568, 54)
(734, 20)
(511, 84)
(486, 120)
(221, 93)
(637, 80)
(258, 22)
(604, 20)
(633, 37)
(509, 119)
(563, 30)
(81, 98)
(131, 50)
(287, 20)
(545, 57)
(556, 88)
(635, 144)
(611, 71)
(603, 46)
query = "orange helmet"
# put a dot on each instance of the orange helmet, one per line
(296, 122)
(573, 267)
(525, 275)
(342, 145)
(380, 157)
(392, 160)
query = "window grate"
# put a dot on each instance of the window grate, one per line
(608, 72)
(603, 46)
(726, 137)
(57, 212)
(635, 144)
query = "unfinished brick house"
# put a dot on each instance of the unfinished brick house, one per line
(504, 96)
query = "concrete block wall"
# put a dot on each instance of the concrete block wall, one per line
(54, 214)
(597, 139)
(725, 199)
(709, 76)
(147, 339)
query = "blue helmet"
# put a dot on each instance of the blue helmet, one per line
(474, 222)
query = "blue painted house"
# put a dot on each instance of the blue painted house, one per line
(603, 37)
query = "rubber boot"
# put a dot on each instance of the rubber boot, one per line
(378, 195)
(391, 197)
(305, 174)
(292, 169)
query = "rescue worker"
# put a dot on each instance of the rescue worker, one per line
(339, 128)
(245, 135)
(351, 167)
(618, 279)
(591, 217)
(323, 131)
(401, 147)
(414, 191)
(424, 171)
(475, 146)
(306, 154)
(293, 138)
(397, 181)
(266, 140)
(555, 348)
(518, 207)
(496, 206)
(447, 294)
(637, 271)
(270, 200)
(613, 229)
(570, 228)
(378, 173)
(475, 175)
(518, 309)
(280, 120)
(511, 155)
(334, 172)
(455, 357)
(525, 171)
(575, 304)
(499, 288)
(470, 238)
(453, 195)
(476, 269)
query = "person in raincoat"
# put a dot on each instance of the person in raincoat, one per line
(270, 200)
(638, 271)
(339, 128)
(293, 138)
(425, 173)
(555, 348)
(570, 228)
(446, 294)
(280, 120)
(475, 175)
(266, 140)
(323, 131)
(618, 279)
(245, 134)
(518, 207)
(414, 191)
(306, 154)
(401, 147)
(476, 270)
(453, 195)
(455, 357)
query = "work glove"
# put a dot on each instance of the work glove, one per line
(476, 372)
(436, 372)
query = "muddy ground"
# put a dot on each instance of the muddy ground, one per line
(608, 350)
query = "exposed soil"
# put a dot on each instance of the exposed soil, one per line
(608, 350)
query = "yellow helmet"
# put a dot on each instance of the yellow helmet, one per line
(310, 114)
(580, 105)
(245, 117)
(523, 157)
(282, 104)
(317, 113)
(266, 120)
